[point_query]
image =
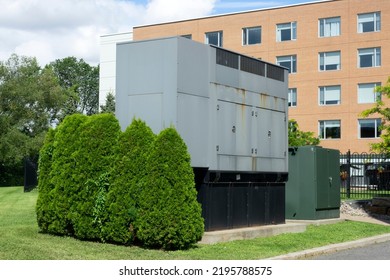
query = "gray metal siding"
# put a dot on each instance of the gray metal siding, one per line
(231, 120)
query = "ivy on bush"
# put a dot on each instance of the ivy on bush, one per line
(98, 137)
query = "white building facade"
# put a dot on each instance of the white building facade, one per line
(108, 62)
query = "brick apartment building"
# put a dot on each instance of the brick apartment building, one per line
(337, 51)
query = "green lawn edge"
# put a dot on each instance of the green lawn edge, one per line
(20, 239)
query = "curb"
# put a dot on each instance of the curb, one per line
(333, 248)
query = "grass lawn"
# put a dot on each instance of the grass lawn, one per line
(20, 239)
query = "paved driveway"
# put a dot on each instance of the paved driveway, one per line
(377, 251)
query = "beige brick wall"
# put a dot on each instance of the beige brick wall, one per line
(306, 47)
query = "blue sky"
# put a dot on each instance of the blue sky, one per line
(54, 29)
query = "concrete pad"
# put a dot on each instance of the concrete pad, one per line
(318, 222)
(212, 237)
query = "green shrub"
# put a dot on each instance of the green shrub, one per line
(98, 138)
(64, 174)
(129, 169)
(44, 209)
(169, 215)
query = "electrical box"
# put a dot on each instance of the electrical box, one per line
(313, 187)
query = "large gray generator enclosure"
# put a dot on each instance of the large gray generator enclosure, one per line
(231, 111)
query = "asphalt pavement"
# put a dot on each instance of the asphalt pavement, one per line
(371, 248)
(376, 251)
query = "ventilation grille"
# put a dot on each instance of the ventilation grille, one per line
(275, 72)
(252, 66)
(227, 58)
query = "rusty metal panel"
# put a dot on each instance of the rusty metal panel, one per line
(226, 122)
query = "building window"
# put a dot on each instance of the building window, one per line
(370, 22)
(251, 36)
(292, 97)
(214, 38)
(329, 27)
(289, 61)
(329, 129)
(369, 57)
(286, 31)
(369, 128)
(367, 93)
(329, 95)
(330, 61)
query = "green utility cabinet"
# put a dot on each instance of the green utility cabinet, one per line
(313, 187)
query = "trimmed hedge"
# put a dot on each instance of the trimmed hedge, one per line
(44, 210)
(169, 215)
(98, 138)
(63, 175)
(97, 183)
(129, 169)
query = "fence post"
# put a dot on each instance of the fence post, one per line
(348, 174)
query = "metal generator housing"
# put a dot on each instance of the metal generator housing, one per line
(231, 111)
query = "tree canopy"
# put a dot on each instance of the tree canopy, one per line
(298, 137)
(30, 100)
(33, 99)
(380, 109)
(81, 81)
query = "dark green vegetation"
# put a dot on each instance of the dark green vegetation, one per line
(33, 99)
(126, 175)
(20, 239)
(109, 105)
(92, 160)
(169, 216)
(97, 183)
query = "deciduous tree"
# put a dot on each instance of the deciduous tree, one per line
(298, 137)
(81, 81)
(30, 100)
(381, 110)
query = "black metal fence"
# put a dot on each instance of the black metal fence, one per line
(364, 176)
(30, 173)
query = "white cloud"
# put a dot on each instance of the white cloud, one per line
(168, 10)
(53, 29)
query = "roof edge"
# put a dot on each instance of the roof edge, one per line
(236, 13)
